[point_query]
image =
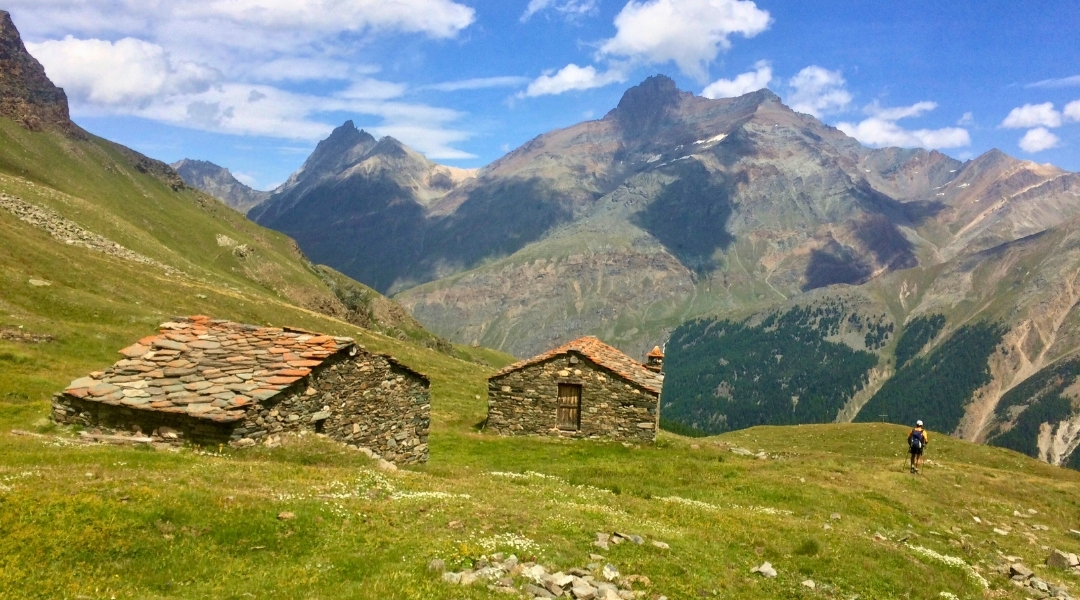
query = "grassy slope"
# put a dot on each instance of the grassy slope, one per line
(103, 522)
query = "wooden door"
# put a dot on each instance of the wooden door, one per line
(569, 407)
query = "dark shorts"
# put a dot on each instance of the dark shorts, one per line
(916, 452)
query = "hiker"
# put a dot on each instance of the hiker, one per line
(917, 441)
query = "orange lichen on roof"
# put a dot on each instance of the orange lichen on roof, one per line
(600, 353)
(208, 369)
(655, 353)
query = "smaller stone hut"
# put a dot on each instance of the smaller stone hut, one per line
(211, 382)
(583, 389)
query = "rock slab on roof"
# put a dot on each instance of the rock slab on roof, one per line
(208, 369)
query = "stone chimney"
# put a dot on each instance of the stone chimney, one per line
(654, 360)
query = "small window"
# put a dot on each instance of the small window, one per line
(569, 407)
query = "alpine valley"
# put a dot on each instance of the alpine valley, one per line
(768, 246)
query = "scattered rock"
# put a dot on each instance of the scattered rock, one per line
(1019, 570)
(71, 234)
(438, 565)
(536, 591)
(660, 545)
(385, 465)
(766, 570)
(451, 577)
(1000, 531)
(286, 516)
(39, 283)
(583, 591)
(809, 583)
(610, 572)
(834, 517)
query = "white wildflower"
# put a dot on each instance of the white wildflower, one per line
(951, 561)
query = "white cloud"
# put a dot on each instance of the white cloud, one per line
(1038, 139)
(1033, 115)
(476, 84)
(298, 68)
(1070, 81)
(436, 18)
(568, 8)
(967, 118)
(689, 32)
(125, 72)
(288, 18)
(1072, 110)
(159, 67)
(372, 89)
(880, 129)
(741, 84)
(243, 109)
(572, 77)
(818, 91)
(874, 109)
(244, 178)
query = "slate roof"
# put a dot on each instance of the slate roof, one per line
(600, 353)
(208, 369)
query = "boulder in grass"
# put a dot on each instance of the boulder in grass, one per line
(1060, 560)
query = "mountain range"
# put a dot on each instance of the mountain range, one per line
(674, 210)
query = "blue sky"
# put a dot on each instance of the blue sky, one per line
(253, 85)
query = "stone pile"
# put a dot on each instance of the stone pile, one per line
(595, 581)
(12, 334)
(1024, 577)
(72, 233)
(606, 540)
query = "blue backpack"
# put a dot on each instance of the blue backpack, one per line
(916, 440)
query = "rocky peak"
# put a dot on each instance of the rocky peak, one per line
(389, 146)
(26, 94)
(648, 104)
(345, 146)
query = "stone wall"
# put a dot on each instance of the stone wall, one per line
(162, 426)
(367, 401)
(525, 402)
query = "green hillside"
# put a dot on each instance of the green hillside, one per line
(787, 369)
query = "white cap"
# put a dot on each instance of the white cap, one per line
(918, 423)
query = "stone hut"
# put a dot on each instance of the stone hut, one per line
(211, 382)
(583, 389)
